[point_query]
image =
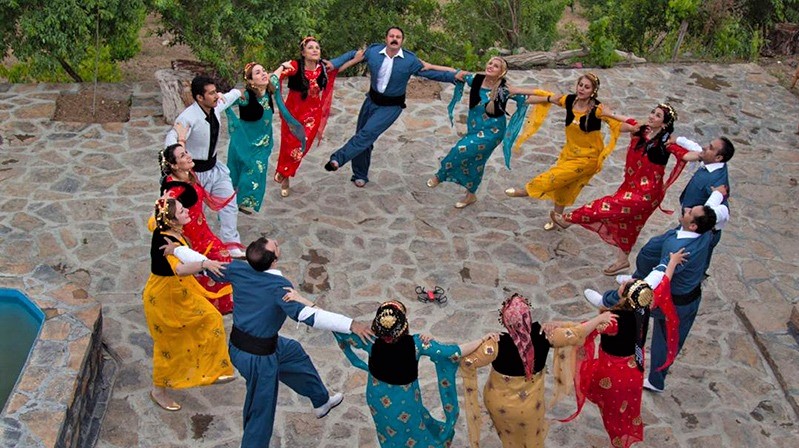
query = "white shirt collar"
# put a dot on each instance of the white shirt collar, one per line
(710, 167)
(274, 272)
(686, 234)
(399, 54)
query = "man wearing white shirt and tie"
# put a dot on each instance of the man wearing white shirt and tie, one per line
(202, 119)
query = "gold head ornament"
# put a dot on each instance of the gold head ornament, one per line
(638, 294)
(595, 81)
(672, 113)
(307, 39)
(247, 67)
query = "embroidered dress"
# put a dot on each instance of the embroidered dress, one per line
(613, 380)
(189, 345)
(312, 112)
(465, 163)
(516, 404)
(248, 152)
(400, 418)
(204, 241)
(619, 218)
(581, 157)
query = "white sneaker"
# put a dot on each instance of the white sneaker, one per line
(648, 386)
(623, 278)
(334, 401)
(237, 253)
(593, 297)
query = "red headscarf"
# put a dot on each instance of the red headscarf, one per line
(515, 316)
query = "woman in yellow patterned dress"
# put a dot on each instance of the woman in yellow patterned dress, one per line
(189, 345)
(585, 149)
(514, 392)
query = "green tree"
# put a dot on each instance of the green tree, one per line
(511, 24)
(228, 34)
(53, 39)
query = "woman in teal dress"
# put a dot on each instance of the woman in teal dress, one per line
(250, 133)
(392, 388)
(486, 128)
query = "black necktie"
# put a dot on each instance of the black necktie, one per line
(214, 124)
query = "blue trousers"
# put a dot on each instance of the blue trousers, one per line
(291, 366)
(687, 314)
(373, 120)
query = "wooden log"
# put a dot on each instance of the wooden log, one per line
(528, 60)
(630, 58)
(175, 92)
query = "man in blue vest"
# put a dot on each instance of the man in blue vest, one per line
(264, 299)
(391, 68)
(711, 174)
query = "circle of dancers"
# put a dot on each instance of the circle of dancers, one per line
(197, 275)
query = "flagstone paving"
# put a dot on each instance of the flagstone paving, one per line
(76, 197)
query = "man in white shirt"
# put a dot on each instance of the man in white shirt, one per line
(202, 119)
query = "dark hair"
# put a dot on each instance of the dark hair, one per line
(706, 221)
(198, 85)
(727, 149)
(166, 158)
(258, 256)
(395, 28)
(305, 85)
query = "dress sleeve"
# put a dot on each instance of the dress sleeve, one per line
(346, 342)
(288, 72)
(535, 120)
(446, 358)
(484, 355)
(615, 131)
(566, 340)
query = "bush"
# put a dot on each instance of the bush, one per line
(601, 43)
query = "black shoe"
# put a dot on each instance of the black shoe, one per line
(331, 165)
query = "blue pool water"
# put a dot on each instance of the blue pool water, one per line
(20, 322)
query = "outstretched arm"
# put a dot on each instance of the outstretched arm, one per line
(357, 59)
(471, 346)
(326, 320)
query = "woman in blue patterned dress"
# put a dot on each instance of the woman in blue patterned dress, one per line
(250, 132)
(486, 128)
(392, 388)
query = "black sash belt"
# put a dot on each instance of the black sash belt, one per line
(201, 166)
(384, 100)
(685, 299)
(251, 344)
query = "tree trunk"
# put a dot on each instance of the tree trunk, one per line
(680, 37)
(70, 71)
(175, 92)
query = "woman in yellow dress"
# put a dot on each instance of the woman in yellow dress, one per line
(189, 345)
(585, 149)
(514, 391)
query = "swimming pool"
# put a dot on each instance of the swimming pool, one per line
(20, 322)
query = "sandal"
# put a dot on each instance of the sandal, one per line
(558, 220)
(278, 177)
(616, 268)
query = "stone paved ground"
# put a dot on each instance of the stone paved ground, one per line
(76, 197)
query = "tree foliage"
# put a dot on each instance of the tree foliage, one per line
(55, 39)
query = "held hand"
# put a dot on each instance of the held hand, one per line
(460, 76)
(215, 266)
(363, 331)
(679, 257)
(721, 189)
(220, 97)
(359, 55)
(672, 139)
(294, 296)
(426, 338)
(491, 337)
(637, 128)
(182, 130)
(607, 318)
(329, 65)
(547, 327)
(169, 247)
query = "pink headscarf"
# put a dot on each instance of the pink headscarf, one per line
(515, 316)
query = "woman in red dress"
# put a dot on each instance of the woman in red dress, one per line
(619, 218)
(309, 99)
(176, 168)
(613, 377)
